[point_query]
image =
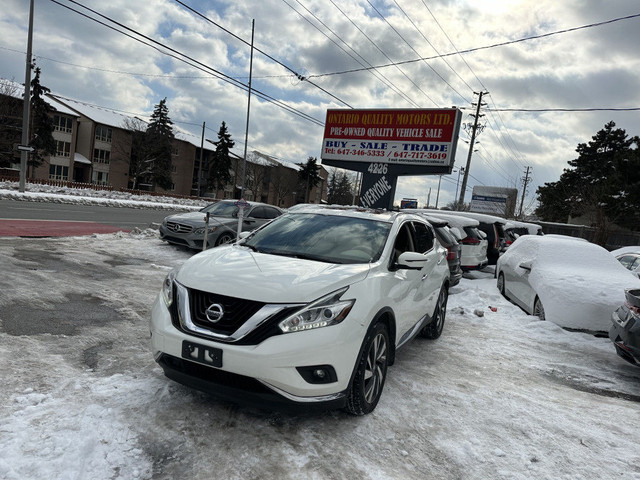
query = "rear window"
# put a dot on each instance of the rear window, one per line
(473, 232)
(444, 236)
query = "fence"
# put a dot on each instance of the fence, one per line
(616, 239)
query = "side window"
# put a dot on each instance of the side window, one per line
(272, 212)
(403, 243)
(627, 261)
(258, 212)
(423, 237)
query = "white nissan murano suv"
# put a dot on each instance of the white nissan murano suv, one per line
(307, 311)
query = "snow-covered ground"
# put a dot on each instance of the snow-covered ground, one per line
(86, 196)
(498, 396)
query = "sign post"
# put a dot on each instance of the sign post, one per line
(385, 144)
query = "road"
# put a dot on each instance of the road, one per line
(100, 219)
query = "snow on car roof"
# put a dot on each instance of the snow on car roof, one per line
(349, 211)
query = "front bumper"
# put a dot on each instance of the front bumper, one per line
(189, 240)
(263, 374)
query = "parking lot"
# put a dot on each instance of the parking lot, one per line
(499, 395)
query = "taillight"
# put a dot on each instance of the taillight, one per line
(451, 255)
(633, 308)
(470, 241)
(509, 242)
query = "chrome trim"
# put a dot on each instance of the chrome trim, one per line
(412, 332)
(295, 398)
(262, 315)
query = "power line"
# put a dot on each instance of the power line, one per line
(381, 51)
(374, 72)
(415, 51)
(262, 52)
(486, 47)
(199, 65)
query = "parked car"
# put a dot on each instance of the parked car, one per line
(570, 282)
(514, 229)
(448, 241)
(493, 227)
(473, 243)
(629, 257)
(307, 311)
(625, 328)
(187, 229)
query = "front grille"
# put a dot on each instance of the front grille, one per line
(236, 311)
(179, 227)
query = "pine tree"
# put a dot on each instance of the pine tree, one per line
(340, 188)
(309, 176)
(219, 169)
(602, 184)
(159, 145)
(41, 124)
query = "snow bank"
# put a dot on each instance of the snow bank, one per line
(47, 193)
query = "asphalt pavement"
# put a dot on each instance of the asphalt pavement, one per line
(35, 219)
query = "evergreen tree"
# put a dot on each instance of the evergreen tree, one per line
(41, 124)
(158, 145)
(219, 169)
(340, 188)
(602, 184)
(10, 122)
(309, 176)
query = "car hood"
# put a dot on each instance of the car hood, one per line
(236, 271)
(197, 219)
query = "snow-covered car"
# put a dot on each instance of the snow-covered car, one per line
(187, 229)
(514, 229)
(625, 328)
(629, 257)
(307, 311)
(568, 281)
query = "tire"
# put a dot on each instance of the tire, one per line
(224, 238)
(371, 372)
(434, 329)
(501, 284)
(538, 309)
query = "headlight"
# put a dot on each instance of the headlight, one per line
(200, 230)
(167, 288)
(328, 310)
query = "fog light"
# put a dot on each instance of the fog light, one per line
(318, 374)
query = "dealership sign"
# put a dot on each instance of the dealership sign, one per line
(414, 137)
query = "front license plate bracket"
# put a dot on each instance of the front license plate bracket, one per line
(202, 354)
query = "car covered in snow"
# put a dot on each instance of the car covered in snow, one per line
(307, 311)
(629, 257)
(570, 282)
(188, 229)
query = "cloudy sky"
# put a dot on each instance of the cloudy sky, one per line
(333, 44)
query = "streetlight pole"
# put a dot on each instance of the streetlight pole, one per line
(26, 107)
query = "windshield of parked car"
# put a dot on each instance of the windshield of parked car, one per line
(325, 238)
(221, 209)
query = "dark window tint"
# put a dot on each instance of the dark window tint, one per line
(445, 237)
(271, 212)
(259, 212)
(423, 237)
(472, 232)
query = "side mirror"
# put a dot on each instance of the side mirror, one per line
(412, 260)
(243, 235)
(525, 266)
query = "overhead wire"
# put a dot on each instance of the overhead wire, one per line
(374, 72)
(381, 51)
(199, 65)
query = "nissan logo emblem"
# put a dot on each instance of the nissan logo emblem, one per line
(214, 313)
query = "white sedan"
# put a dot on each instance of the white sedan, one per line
(570, 282)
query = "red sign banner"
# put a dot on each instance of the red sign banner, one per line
(408, 136)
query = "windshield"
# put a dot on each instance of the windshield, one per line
(326, 238)
(221, 209)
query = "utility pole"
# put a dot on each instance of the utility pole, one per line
(26, 107)
(438, 194)
(246, 132)
(473, 139)
(460, 170)
(429, 197)
(200, 165)
(524, 190)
